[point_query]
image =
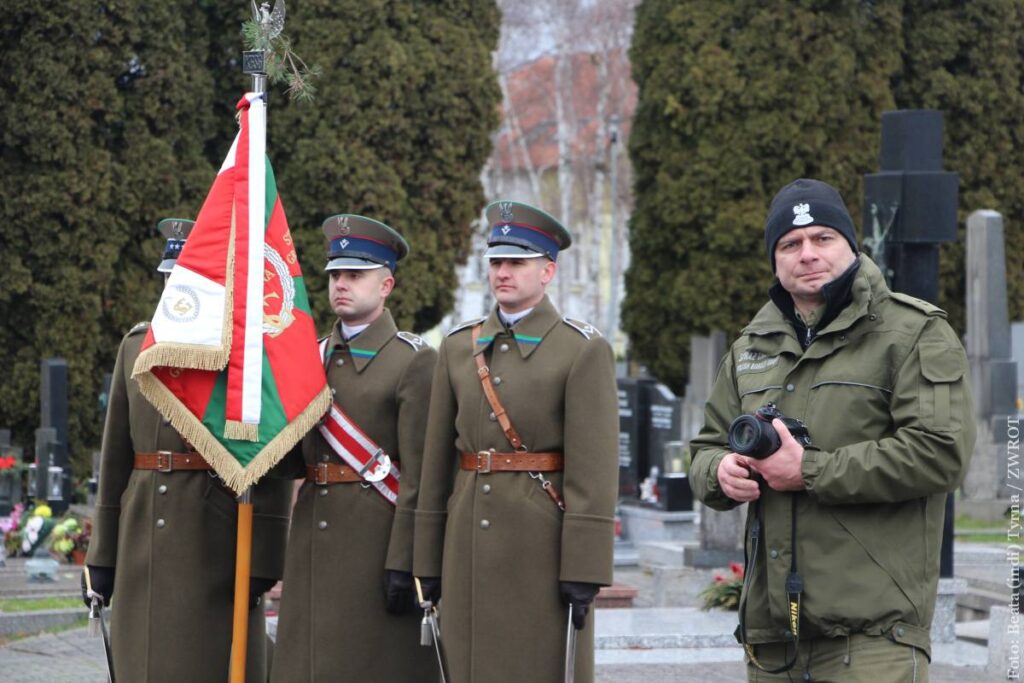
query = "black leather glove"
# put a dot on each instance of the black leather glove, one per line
(102, 579)
(399, 592)
(431, 586)
(579, 595)
(257, 587)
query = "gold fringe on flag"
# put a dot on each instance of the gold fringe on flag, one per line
(236, 477)
(234, 429)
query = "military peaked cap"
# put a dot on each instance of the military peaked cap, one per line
(360, 243)
(519, 230)
(176, 230)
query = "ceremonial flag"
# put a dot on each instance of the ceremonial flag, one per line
(231, 358)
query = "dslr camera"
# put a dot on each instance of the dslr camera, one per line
(754, 435)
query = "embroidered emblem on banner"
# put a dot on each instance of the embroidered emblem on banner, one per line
(180, 304)
(803, 216)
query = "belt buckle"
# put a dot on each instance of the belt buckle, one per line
(164, 457)
(377, 467)
(486, 456)
(320, 474)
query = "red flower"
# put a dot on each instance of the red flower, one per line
(7, 462)
(736, 568)
(719, 578)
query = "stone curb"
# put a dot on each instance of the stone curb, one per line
(35, 622)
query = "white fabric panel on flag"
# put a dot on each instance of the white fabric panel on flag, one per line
(229, 160)
(252, 358)
(338, 430)
(191, 310)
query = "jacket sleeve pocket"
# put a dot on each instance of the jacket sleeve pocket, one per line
(941, 395)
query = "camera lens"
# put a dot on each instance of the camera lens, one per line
(744, 434)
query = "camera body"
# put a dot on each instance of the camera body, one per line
(754, 435)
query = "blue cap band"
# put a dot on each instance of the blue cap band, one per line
(524, 236)
(173, 248)
(363, 248)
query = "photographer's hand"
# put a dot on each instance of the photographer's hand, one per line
(782, 469)
(735, 478)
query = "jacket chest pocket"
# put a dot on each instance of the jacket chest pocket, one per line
(844, 409)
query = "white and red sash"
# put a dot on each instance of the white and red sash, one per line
(358, 450)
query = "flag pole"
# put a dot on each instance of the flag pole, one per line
(243, 570)
(254, 64)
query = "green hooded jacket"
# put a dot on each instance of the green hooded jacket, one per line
(883, 390)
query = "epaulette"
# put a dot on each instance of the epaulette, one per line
(465, 325)
(415, 341)
(919, 304)
(139, 327)
(584, 328)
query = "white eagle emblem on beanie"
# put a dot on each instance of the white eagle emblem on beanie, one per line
(803, 216)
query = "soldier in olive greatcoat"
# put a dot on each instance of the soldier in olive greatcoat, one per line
(348, 611)
(517, 498)
(163, 545)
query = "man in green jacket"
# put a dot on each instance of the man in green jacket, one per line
(843, 534)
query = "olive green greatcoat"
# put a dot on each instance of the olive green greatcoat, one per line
(333, 625)
(497, 540)
(883, 391)
(171, 538)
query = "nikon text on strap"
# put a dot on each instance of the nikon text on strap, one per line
(501, 416)
(358, 450)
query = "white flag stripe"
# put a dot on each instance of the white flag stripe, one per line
(252, 358)
(229, 160)
(191, 310)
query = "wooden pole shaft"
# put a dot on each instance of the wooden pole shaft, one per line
(243, 565)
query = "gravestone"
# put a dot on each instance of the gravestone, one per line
(721, 533)
(991, 478)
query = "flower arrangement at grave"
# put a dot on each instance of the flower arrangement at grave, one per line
(70, 538)
(724, 591)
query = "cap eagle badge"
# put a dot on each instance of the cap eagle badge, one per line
(802, 214)
(505, 211)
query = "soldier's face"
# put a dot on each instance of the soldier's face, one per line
(519, 283)
(806, 259)
(357, 296)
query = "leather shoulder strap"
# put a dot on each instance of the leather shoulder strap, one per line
(492, 397)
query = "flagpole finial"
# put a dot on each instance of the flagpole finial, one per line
(269, 58)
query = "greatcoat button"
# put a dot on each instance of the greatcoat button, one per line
(497, 380)
(790, 387)
(325, 458)
(339, 362)
(900, 631)
(872, 317)
(321, 525)
(484, 524)
(162, 488)
(492, 417)
(774, 554)
(333, 392)
(503, 348)
(842, 337)
(160, 524)
(487, 488)
(323, 492)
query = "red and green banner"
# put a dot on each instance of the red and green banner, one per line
(231, 359)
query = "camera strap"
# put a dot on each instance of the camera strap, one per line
(794, 588)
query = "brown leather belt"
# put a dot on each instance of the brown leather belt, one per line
(167, 461)
(486, 462)
(331, 473)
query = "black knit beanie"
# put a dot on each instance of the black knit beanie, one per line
(807, 202)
